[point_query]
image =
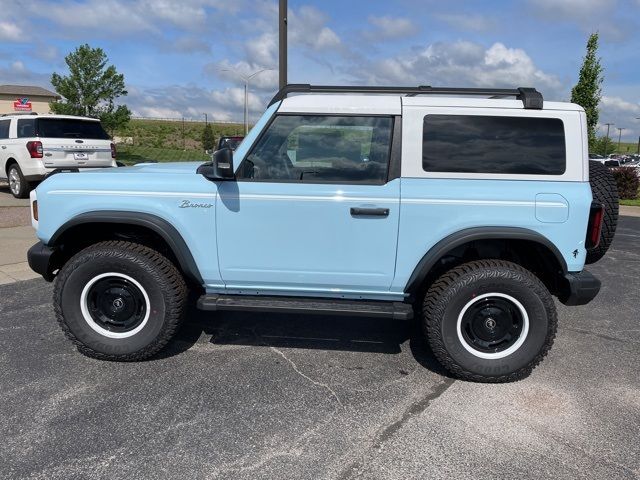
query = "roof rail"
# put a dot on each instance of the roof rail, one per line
(531, 98)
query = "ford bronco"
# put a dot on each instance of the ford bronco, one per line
(472, 208)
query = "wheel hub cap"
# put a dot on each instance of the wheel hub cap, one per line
(116, 304)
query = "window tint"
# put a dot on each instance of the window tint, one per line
(70, 128)
(305, 148)
(26, 127)
(4, 128)
(487, 144)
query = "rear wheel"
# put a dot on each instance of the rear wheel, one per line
(18, 186)
(119, 301)
(489, 321)
(605, 191)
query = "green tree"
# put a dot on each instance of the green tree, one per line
(91, 88)
(603, 146)
(208, 140)
(588, 91)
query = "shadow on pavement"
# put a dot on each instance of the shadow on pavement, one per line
(316, 332)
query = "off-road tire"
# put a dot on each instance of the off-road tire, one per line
(160, 279)
(444, 302)
(605, 191)
(25, 187)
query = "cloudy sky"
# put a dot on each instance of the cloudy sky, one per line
(178, 55)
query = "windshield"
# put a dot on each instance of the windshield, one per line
(70, 128)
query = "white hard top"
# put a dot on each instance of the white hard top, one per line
(345, 104)
(392, 104)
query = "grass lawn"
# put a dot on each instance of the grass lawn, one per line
(129, 154)
(631, 203)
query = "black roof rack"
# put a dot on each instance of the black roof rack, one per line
(531, 98)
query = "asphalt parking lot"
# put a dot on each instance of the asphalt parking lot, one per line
(266, 396)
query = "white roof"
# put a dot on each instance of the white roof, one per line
(47, 115)
(392, 104)
(345, 104)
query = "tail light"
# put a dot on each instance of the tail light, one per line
(594, 229)
(34, 209)
(113, 150)
(35, 149)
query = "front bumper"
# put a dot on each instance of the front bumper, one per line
(580, 288)
(41, 259)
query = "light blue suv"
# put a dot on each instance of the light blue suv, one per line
(469, 207)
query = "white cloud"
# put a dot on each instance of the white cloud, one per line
(387, 27)
(11, 32)
(192, 102)
(467, 22)
(462, 63)
(623, 114)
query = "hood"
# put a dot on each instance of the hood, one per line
(170, 168)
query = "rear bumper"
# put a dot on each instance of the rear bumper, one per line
(580, 288)
(40, 259)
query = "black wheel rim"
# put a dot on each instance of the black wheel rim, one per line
(116, 304)
(492, 324)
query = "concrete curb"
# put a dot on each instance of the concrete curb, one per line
(629, 211)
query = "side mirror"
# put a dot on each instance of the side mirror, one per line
(221, 166)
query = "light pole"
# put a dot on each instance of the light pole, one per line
(246, 79)
(620, 129)
(606, 140)
(638, 118)
(282, 29)
(206, 122)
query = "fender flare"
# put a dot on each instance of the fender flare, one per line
(154, 223)
(457, 239)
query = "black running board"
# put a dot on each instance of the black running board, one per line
(363, 308)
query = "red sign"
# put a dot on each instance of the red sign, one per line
(22, 105)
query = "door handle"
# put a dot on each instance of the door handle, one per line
(369, 212)
(4, 147)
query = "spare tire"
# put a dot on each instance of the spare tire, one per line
(605, 191)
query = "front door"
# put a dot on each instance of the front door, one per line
(312, 210)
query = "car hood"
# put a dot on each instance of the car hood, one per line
(171, 168)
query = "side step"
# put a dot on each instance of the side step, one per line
(364, 308)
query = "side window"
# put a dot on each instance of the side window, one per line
(319, 149)
(4, 129)
(26, 127)
(491, 144)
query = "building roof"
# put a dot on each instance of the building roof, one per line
(26, 90)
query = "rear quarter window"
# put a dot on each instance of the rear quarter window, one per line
(493, 145)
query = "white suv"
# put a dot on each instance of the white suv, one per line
(32, 146)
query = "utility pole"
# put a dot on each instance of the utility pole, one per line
(283, 43)
(606, 140)
(620, 129)
(205, 119)
(245, 79)
(638, 118)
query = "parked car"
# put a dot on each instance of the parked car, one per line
(32, 146)
(612, 163)
(232, 142)
(471, 213)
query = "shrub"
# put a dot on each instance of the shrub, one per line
(628, 182)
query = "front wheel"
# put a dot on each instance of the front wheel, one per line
(489, 321)
(119, 300)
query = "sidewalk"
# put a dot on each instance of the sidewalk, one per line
(14, 243)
